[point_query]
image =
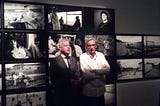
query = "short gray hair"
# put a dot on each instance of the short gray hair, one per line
(61, 40)
(89, 39)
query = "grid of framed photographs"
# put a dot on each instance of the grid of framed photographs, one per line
(29, 35)
(138, 56)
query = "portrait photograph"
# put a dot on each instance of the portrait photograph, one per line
(25, 75)
(104, 21)
(23, 16)
(151, 67)
(65, 18)
(105, 43)
(75, 42)
(26, 99)
(24, 46)
(129, 45)
(129, 69)
(152, 45)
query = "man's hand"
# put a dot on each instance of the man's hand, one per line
(76, 81)
(104, 66)
(92, 71)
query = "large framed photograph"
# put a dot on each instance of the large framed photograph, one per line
(105, 43)
(152, 45)
(24, 45)
(104, 21)
(151, 67)
(129, 69)
(23, 16)
(75, 41)
(129, 45)
(26, 99)
(64, 18)
(25, 75)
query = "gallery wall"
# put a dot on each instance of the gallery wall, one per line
(133, 20)
(138, 16)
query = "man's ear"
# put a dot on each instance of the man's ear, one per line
(96, 46)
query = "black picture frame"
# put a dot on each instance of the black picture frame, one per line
(128, 69)
(65, 18)
(25, 75)
(24, 45)
(105, 44)
(151, 67)
(28, 98)
(74, 38)
(104, 21)
(152, 45)
(23, 16)
(129, 45)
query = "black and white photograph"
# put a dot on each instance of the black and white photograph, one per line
(129, 45)
(152, 45)
(76, 44)
(105, 43)
(129, 69)
(25, 46)
(65, 18)
(110, 95)
(151, 67)
(25, 75)
(23, 16)
(26, 99)
(104, 21)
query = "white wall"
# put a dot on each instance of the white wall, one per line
(131, 16)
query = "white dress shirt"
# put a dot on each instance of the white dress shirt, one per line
(93, 82)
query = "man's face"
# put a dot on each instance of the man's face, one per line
(65, 48)
(91, 47)
(104, 16)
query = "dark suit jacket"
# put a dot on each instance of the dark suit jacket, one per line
(61, 75)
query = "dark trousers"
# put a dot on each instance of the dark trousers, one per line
(71, 97)
(93, 101)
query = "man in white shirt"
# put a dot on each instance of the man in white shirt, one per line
(94, 67)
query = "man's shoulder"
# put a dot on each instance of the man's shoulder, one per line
(99, 53)
(83, 54)
(56, 58)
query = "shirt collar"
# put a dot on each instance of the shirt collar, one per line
(95, 56)
(63, 56)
